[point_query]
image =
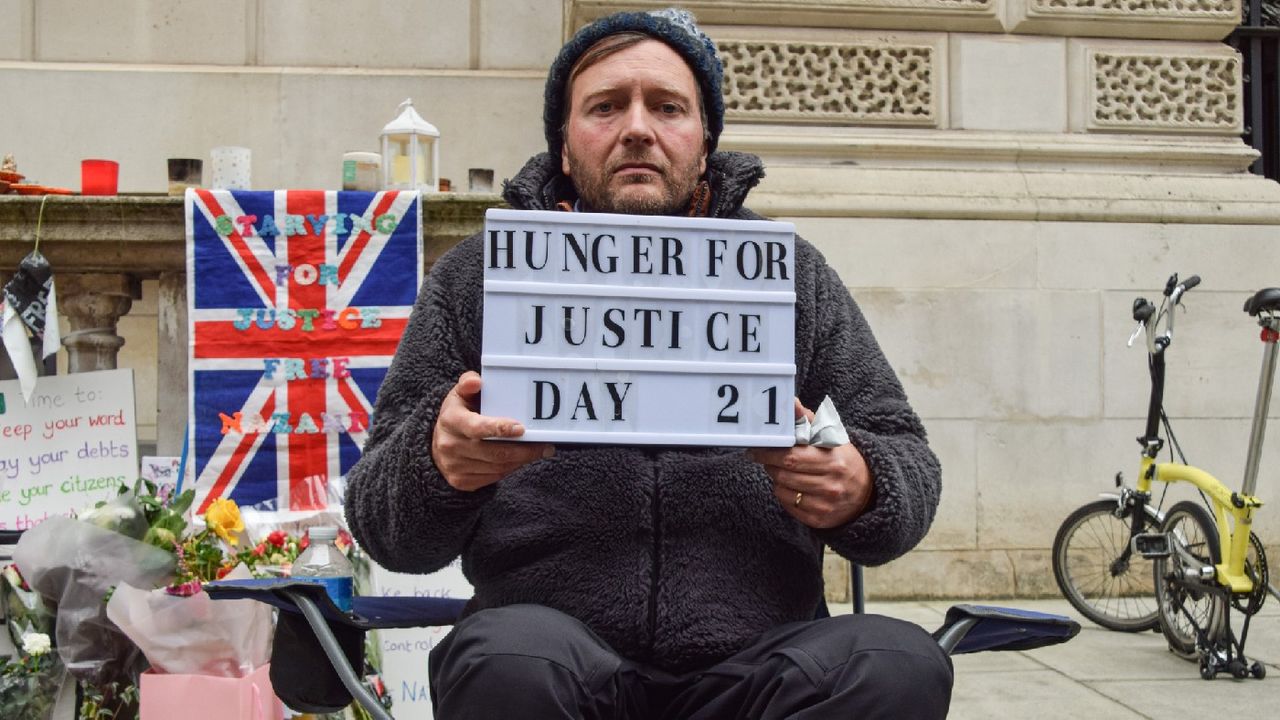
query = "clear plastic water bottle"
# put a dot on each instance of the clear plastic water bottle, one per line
(322, 562)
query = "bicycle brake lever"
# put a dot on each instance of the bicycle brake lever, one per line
(1136, 332)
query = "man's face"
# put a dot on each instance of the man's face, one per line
(634, 139)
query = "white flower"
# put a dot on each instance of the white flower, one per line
(36, 644)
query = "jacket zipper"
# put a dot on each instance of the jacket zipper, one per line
(657, 555)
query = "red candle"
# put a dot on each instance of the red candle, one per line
(99, 177)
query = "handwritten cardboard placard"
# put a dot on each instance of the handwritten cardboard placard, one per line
(161, 470)
(404, 652)
(634, 329)
(72, 445)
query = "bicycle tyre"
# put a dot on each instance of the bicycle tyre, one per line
(1085, 552)
(1195, 529)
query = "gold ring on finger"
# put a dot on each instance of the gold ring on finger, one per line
(799, 497)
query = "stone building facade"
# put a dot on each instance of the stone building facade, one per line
(994, 179)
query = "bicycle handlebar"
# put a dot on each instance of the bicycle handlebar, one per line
(1144, 312)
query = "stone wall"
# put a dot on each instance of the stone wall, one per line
(299, 82)
(994, 179)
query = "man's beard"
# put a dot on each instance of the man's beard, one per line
(598, 195)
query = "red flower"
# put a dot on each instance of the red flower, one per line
(277, 538)
(222, 571)
(186, 589)
(304, 542)
(260, 550)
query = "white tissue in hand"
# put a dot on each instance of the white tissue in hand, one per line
(803, 431)
(825, 430)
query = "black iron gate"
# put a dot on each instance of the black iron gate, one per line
(1258, 40)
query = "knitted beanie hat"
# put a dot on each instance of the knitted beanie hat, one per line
(672, 26)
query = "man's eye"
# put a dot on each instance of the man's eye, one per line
(603, 107)
(669, 108)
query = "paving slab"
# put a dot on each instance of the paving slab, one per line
(1190, 698)
(1099, 673)
(1039, 694)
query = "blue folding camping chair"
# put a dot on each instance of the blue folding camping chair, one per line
(318, 649)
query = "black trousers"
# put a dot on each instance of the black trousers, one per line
(529, 661)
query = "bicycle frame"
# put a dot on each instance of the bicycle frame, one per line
(1234, 520)
(1233, 512)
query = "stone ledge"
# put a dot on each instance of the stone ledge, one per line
(968, 149)
(800, 191)
(967, 15)
(1205, 20)
(1211, 20)
(144, 235)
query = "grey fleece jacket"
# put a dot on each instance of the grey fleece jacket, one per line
(677, 557)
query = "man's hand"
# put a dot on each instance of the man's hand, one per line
(820, 487)
(459, 446)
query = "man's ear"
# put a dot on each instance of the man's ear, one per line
(702, 161)
(564, 157)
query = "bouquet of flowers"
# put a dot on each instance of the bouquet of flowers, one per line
(273, 556)
(142, 539)
(24, 610)
(178, 627)
(74, 564)
(127, 579)
(29, 684)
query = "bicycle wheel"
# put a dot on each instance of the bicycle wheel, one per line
(1097, 572)
(1184, 605)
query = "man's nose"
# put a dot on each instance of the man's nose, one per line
(638, 127)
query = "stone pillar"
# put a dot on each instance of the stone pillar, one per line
(93, 305)
(171, 395)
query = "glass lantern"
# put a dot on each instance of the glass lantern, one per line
(410, 152)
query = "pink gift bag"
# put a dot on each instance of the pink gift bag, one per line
(208, 697)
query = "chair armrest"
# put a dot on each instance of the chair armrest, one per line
(976, 628)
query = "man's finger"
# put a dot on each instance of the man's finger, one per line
(497, 453)
(802, 411)
(801, 458)
(460, 420)
(810, 503)
(800, 482)
(467, 389)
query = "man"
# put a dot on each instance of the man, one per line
(649, 582)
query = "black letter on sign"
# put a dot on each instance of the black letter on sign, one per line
(757, 260)
(537, 326)
(618, 399)
(568, 324)
(749, 332)
(537, 400)
(711, 330)
(732, 392)
(610, 324)
(508, 247)
(584, 402)
(714, 258)
(647, 325)
(671, 248)
(777, 253)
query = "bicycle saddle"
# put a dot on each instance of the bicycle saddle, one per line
(1264, 300)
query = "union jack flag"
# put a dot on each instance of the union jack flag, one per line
(297, 300)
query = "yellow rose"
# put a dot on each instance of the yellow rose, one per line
(223, 517)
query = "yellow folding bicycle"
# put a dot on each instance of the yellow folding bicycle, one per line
(1203, 564)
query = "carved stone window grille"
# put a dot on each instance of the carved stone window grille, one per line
(864, 84)
(1172, 9)
(1174, 93)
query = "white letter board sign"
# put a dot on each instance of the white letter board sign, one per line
(640, 330)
